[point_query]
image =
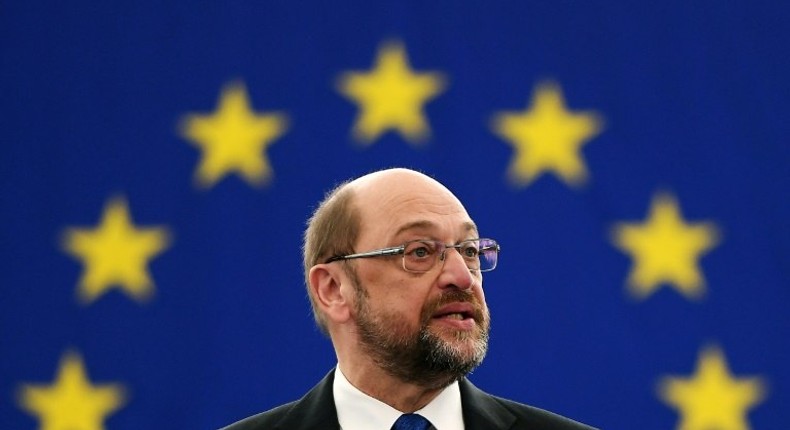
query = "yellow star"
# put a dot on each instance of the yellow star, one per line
(712, 398)
(391, 96)
(71, 402)
(666, 249)
(547, 137)
(233, 139)
(115, 254)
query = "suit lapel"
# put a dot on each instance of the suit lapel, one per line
(316, 410)
(481, 411)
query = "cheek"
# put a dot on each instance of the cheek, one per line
(480, 293)
(477, 288)
(394, 295)
(407, 303)
(386, 282)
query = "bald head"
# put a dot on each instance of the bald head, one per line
(392, 200)
(389, 176)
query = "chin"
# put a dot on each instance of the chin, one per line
(465, 346)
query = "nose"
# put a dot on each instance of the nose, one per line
(455, 272)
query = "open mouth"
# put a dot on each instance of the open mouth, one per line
(455, 312)
(455, 316)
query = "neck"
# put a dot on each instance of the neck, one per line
(376, 382)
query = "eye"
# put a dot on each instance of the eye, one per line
(469, 251)
(420, 250)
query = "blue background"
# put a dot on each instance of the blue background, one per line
(695, 101)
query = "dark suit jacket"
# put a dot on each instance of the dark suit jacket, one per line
(482, 411)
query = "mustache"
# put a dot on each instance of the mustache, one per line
(453, 296)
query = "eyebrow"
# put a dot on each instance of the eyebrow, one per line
(424, 224)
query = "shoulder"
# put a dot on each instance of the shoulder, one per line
(537, 418)
(316, 410)
(483, 410)
(263, 420)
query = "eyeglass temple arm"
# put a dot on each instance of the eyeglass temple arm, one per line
(379, 252)
(485, 248)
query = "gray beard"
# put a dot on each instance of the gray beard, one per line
(422, 358)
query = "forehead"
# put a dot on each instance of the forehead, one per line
(402, 203)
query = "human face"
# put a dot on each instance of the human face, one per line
(428, 328)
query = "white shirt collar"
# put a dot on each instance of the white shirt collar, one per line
(358, 411)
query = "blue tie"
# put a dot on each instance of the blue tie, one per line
(411, 422)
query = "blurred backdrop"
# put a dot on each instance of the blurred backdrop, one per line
(160, 159)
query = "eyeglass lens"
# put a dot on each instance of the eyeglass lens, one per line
(421, 255)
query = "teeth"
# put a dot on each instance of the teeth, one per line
(454, 316)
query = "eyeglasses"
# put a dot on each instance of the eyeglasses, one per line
(420, 256)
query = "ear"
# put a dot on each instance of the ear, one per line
(328, 285)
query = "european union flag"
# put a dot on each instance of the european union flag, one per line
(160, 159)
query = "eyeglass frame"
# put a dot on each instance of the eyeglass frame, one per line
(401, 250)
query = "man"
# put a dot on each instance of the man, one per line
(393, 267)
